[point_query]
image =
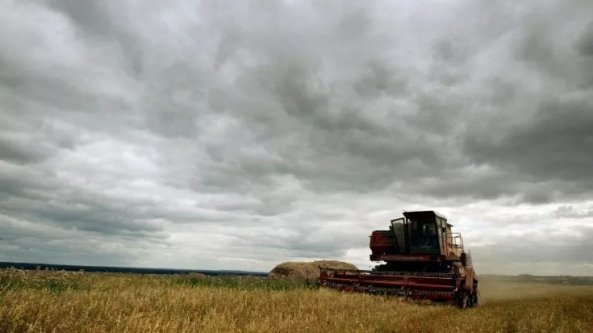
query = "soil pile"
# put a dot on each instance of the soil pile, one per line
(306, 270)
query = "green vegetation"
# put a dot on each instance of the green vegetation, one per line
(54, 283)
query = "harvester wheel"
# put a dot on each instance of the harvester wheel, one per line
(463, 300)
(476, 294)
(474, 298)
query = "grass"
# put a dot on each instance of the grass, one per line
(243, 283)
(47, 301)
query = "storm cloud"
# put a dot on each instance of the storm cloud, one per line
(240, 134)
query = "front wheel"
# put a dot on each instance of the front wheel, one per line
(463, 300)
(474, 298)
(466, 300)
(474, 295)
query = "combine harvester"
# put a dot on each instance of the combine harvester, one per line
(421, 258)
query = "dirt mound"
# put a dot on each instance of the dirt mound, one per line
(306, 270)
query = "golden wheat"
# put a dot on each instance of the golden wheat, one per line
(45, 301)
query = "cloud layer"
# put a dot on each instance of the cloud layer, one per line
(236, 135)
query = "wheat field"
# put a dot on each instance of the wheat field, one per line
(49, 301)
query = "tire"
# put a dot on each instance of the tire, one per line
(474, 298)
(463, 300)
(475, 295)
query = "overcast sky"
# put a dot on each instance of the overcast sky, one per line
(239, 134)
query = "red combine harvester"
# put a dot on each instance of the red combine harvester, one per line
(421, 258)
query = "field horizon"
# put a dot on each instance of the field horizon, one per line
(526, 277)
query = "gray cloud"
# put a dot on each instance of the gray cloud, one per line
(22, 151)
(570, 211)
(585, 43)
(551, 149)
(200, 134)
(563, 252)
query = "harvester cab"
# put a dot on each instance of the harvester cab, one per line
(419, 256)
(420, 241)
